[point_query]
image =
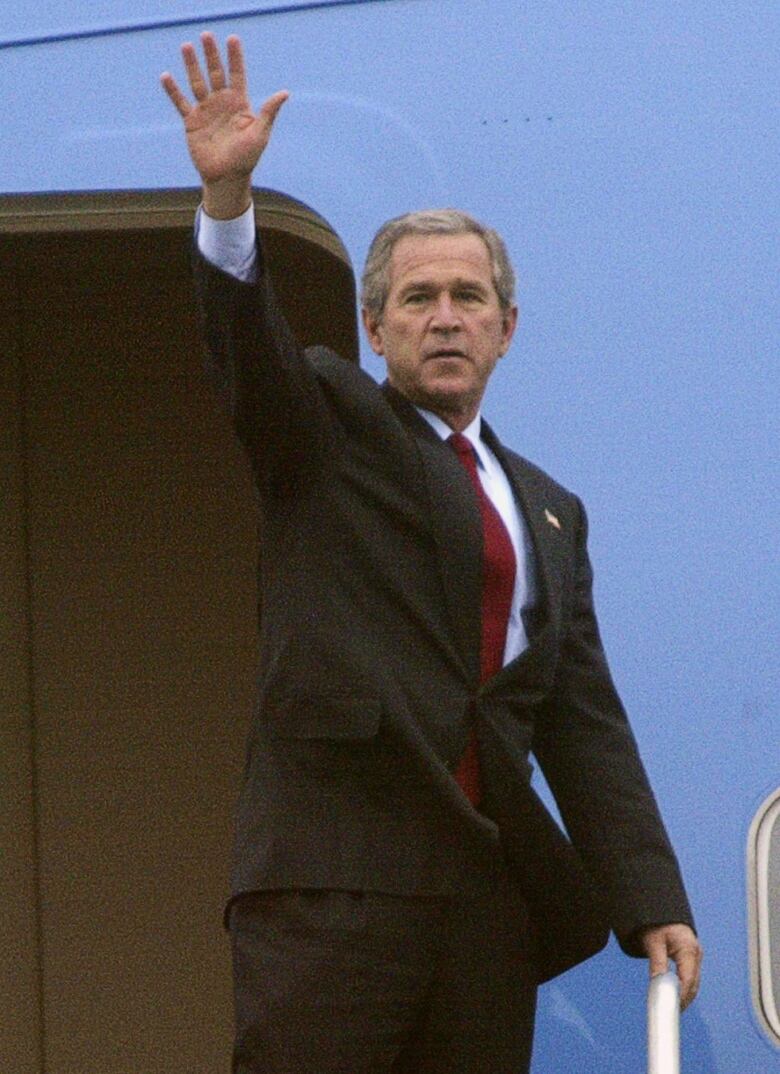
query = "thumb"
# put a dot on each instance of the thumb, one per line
(270, 109)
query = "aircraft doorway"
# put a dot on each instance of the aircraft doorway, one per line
(128, 610)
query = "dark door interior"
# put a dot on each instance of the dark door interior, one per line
(129, 542)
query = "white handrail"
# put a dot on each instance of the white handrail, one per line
(663, 1024)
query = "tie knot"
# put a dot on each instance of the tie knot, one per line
(462, 445)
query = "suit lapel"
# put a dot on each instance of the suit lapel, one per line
(531, 491)
(457, 529)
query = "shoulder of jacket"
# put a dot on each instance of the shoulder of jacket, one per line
(354, 397)
(331, 368)
(529, 471)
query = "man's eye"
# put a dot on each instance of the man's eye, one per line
(416, 297)
(469, 296)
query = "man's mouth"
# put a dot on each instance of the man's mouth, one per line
(446, 352)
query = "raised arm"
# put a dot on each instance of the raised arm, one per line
(258, 369)
(225, 137)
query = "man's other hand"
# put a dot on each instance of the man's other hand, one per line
(679, 943)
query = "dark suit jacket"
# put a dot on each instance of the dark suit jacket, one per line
(369, 582)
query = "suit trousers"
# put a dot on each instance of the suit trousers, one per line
(354, 982)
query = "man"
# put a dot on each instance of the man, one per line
(427, 621)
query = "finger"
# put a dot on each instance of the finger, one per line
(213, 61)
(236, 65)
(271, 108)
(194, 74)
(689, 987)
(689, 972)
(688, 994)
(180, 102)
(658, 961)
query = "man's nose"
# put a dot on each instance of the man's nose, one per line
(446, 316)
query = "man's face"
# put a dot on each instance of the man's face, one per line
(442, 329)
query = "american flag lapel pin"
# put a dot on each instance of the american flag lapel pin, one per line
(551, 518)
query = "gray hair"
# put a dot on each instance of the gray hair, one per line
(375, 284)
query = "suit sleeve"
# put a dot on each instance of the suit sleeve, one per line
(589, 756)
(262, 376)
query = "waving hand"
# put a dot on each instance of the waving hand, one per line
(225, 137)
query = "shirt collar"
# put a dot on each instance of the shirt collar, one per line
(472, 432)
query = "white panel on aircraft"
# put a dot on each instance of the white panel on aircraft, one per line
(764, 914)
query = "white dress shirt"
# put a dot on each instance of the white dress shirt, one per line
(230, 245)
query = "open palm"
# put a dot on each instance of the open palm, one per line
(225, 137)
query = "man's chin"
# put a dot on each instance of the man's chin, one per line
(447, 397)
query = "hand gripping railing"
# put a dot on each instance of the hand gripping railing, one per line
(663, 1025)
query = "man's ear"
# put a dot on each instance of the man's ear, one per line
(373, 327)
(508, 326)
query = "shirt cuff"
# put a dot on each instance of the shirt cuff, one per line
(228, 244)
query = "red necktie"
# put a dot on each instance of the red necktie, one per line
(498, 585)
